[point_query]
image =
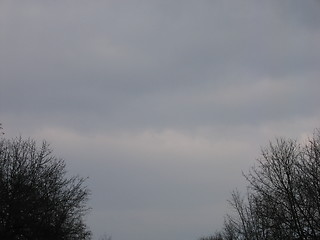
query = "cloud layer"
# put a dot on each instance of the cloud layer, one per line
(161, 103)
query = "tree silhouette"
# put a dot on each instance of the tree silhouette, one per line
(37, 199)
(283, 197)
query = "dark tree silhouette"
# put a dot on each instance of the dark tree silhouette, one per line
(37, 199)
(283, 197)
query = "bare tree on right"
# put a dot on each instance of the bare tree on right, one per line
(283, 196)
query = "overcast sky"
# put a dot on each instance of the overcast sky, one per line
(162, 104)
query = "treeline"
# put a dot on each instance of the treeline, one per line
(283, 195)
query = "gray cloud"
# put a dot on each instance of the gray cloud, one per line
(161, 103)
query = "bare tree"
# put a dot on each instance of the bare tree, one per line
(216, 236)
(37, 200)
(283, 196)
(274, 182)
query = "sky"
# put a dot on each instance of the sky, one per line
(162, 104)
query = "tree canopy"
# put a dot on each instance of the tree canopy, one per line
(38, 201)
(283, 196)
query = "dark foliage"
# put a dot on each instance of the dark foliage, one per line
(37, 200)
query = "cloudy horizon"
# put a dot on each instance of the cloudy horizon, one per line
(162, 104)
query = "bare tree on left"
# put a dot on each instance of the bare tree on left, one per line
(38, 200)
